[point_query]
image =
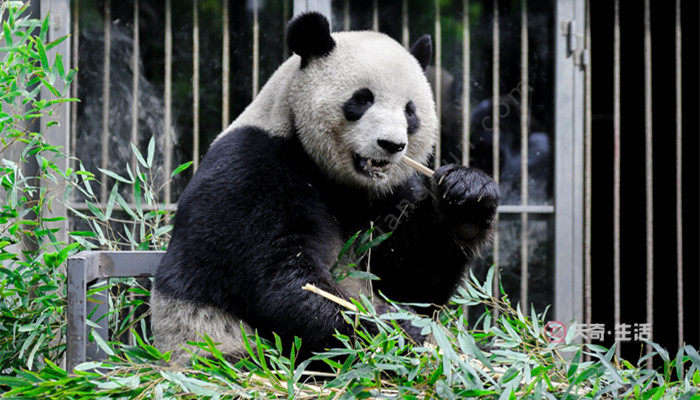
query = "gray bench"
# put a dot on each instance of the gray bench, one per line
(88, 267)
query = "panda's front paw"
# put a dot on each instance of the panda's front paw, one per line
(466, 198)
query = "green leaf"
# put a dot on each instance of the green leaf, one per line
(58, 66)
(488, 284)
(115, 176)
(102, 344)
(51, 88)
(475, 393)
(151, 152)
(347, 245)
(363, 275)
(83, 233)
(44, 28)
(41, 50)
(374, 242)
(56, 42)
(138, 155)
(7, 33)
(162, 230)
(573, 366)
(181, 168)
(110, 201)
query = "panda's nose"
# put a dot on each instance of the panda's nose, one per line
(391, 147)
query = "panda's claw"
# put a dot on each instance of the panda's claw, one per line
(465, 194)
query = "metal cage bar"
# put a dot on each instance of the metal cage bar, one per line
(168, 94)
(375, 16)
(225, 66)
(60, 134)
(679, 172)
(568, 162)
(649, 176)
(195, 85)
(346, 15)
(75, 43)
(466, 79)
(106, 64)
(496, 131)
(135, 54)
(438, 79)
(587, 189)
(524, 148)
(616, 168)
(404, 24)
(256, 49)
(321, 6)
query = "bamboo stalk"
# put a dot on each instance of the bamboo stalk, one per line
(329, 296)
(418, 166)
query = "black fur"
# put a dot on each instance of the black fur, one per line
(390, 147)
(422, 50)
(358, 104)
(309, 35)
(257, 220)
(412, 117)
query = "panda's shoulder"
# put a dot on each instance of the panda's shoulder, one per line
(243, 145)
(247, 165)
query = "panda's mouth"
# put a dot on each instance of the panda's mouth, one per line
(375, 169)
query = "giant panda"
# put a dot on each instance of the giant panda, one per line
(316, 157)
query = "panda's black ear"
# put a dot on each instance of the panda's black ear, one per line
(309, 35)
(422, 50)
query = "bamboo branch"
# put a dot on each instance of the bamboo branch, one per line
(329, 296)
(418, 166)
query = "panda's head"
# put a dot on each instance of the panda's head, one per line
(360, 102)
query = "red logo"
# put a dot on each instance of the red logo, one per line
(555, 331)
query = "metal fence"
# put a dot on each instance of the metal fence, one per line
(489, 99)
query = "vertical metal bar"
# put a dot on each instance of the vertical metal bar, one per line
(75, 37)
(76, 312)
(496, 116)
(466, 79)
(616, 169)
(135, 53)
(106, 50)
(438, 78)
(56, 135)
(568, 162)
(587, 184)
(466, 96)
(225, 66)
(524, 149)
(168, 100)
(375, 16)
(195, 84)
(649, 174)
(404, 24)
(321, 6)
(679, 173)
(346, 15)
(256, 48)
(285, 18)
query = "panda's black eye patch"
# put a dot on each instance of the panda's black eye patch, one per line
(358, 104)
(411, 117)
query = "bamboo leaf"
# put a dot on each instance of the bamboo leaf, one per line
(181, 168)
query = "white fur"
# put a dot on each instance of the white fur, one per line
(176, 322)
(311, 99)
